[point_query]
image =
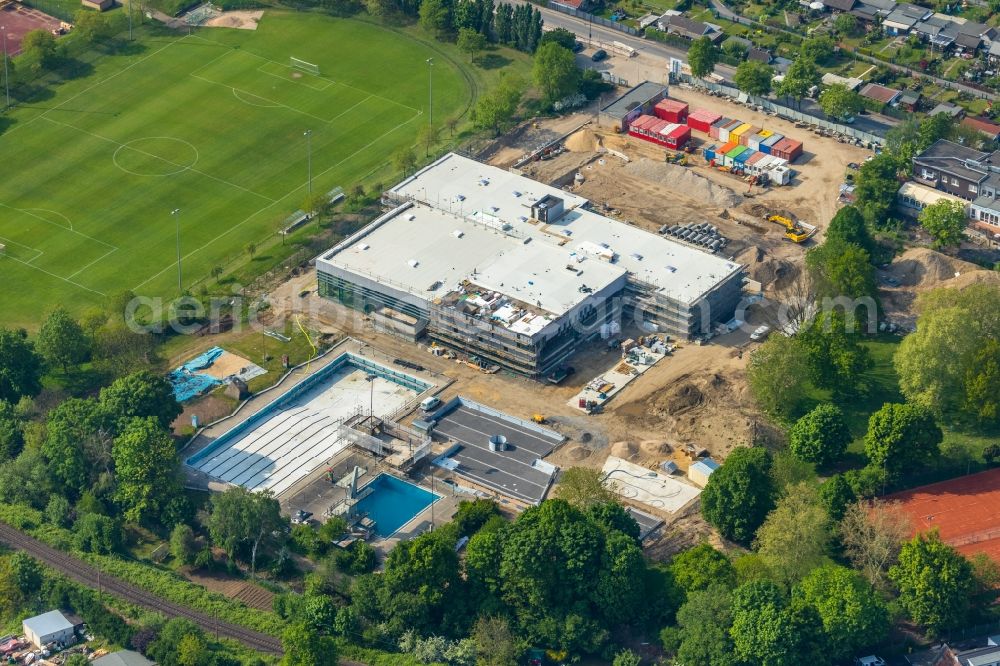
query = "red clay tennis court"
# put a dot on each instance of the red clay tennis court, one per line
(966, 511)
(18, 20)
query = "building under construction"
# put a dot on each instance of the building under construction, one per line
(518, 273)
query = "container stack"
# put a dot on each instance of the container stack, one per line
(672, 111)
(702, 120)
(661, 132)
(726, 130)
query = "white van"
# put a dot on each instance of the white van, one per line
(428, 404)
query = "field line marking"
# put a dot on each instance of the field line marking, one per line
(162, 159)
(89, 88)
(222, 55)
(27, 211)
(256, 213)
(277, 104)
(58, 277)
(33, 249)
(351, 108)
(73, 275)
(54, 212)
(327, 82)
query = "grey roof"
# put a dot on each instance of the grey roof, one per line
(992, 205)
(640, 94)
(882, 5)
(688, 26)
(760, 55)
(840, 5)
(980, 656)
(944, 149)
(944, 107)
(954, 159)
(969, 41)
(909, 97)
(123, 658)
(48, 623)
(995, 48)
(901, 16)
(865, 12)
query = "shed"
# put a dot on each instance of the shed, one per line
(702, 120)
(123, 658)
(48, 628)
(701, 470)
(880, 94)
(99, 5)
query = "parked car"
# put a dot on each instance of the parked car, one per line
(301, 517)
(760, 333)
(599, 55)
(577, 47)
(870, 660)
(853, 165)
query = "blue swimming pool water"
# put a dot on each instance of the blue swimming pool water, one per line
(393, 503)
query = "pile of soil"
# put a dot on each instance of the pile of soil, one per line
(685, 182)
(584, 141)
(656, 448)
(578, 453)
(625, 450)
(927, 269)
(766, 269)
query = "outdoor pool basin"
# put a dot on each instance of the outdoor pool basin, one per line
(392, 503)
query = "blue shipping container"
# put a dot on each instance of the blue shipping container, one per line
(710, 152)
(765, 146)
(744, 156)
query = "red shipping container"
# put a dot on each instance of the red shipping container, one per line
(787, 149)
(680, 136)
(745, 136)
(672, 110)
(702, 120)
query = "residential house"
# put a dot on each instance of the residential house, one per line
(690, 29)
(122, 658)
(851, 83)
(840, 5)
(760, 55)
(952, 110)
(953, 168)
(880, 94)
(945, 655)
(871, 11)
(903, 18)
(912, 198)
(987, 127)
(579, 5)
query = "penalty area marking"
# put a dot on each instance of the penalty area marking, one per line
(9, 243)
(69, 223)
(270, 105)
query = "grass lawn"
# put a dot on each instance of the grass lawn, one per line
(961, 451)
(211, 124)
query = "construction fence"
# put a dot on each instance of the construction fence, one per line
(590, 18)
(788, 113)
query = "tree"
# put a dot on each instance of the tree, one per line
(801, 76)
(583, 487)
(872, 535)
(243, 519)
(818, 49)
(848, 226)
(934, 581)
(251, 249)
(846, 24)
(428, 136)
(58, 511)
(166, 648)
(840, 269)
(92, 26)
(555, 72)
(701, 567)
(183, 544)
(901, 437)
(777, 374)
(451, 124)
(837, 360)
(932, 129)
(739, 494)
(97, 534)
(39, 50)
(560, 36)
(77, 659)
(61, 341)
(821, 436)
(146, 466)
(435, 16)
(593, 85)
(471, 515)
(471, 41)
(404, 160)
(217, 272)
(20, 366)
(496, 644)
(754, 78)
(77, 445)
(795, 538)
(316, 204)
(945, 364)
(839, 102)
(875, 189)
(945, 221)
(626, 658)
(704, 621)
(11, 432)
(734, 49)
(982, 385)
(768, 630)
(496, 108)
(702, 57)
(139, 395)
(853, 615)
(836, 495)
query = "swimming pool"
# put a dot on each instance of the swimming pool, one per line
(392, 503)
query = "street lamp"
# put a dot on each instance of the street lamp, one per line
(309, 157)
(6, 71)
(176, 213)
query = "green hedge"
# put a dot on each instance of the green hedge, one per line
(373, 657)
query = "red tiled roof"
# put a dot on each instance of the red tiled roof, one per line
(988, 128)
(879, 93)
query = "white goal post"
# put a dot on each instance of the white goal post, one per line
(304, 66)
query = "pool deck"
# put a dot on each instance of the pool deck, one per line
(285, 448)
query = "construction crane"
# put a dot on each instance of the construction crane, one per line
(797, 232)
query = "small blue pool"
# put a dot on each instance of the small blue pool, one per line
(392, 503)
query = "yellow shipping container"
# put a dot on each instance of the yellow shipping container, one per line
(764, 134)
(735, 134)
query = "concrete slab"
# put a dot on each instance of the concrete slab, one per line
(638, 484)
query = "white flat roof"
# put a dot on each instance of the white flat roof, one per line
(501, 197)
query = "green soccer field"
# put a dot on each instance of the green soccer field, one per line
(211, 124)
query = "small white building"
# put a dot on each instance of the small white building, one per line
(48, 628)
(123, 658)
(701, 470)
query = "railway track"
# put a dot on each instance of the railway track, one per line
(84, 573)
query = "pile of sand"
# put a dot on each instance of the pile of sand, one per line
(242, 20)
(625, 450)
(926, 269)
(655, 448)
(584, 141)
(578, 453)
(684, 182)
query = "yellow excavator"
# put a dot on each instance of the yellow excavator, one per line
(795, 231)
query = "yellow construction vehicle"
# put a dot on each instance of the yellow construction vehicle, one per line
(538, 418)
(795, 231)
